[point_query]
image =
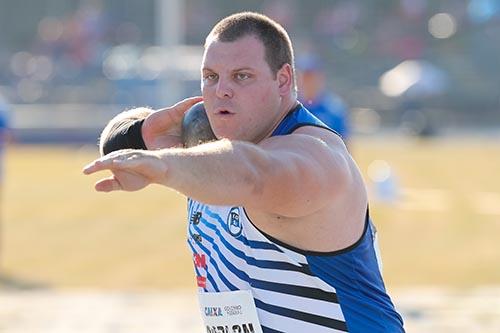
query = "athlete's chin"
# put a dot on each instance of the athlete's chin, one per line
(228, 136)
(227, 133)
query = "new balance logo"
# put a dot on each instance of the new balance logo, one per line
(195, 218)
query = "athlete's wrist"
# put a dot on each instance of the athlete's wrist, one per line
(166, 158)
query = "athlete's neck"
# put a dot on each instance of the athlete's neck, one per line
(284, 112)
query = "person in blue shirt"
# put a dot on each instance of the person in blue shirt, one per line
(4, 140)
(321, 102)
(278, 221)
(4, 133)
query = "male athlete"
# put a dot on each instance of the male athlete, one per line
(278, 215)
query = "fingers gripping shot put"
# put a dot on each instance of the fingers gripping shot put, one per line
(278, 221)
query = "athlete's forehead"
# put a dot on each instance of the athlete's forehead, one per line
(247, 52)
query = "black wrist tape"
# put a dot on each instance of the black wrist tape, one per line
(125, 136)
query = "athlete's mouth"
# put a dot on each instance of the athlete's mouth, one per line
(223, 112)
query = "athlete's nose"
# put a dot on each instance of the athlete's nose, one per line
(223, 89)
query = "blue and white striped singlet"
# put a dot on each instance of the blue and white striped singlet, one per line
(294, 290)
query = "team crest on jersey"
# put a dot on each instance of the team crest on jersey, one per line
(234, 222)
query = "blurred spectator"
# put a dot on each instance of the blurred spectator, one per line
(324, 104)
(4, 130)
(4, 138)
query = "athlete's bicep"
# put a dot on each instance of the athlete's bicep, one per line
(307, 172)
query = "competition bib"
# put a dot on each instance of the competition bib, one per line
(229, 312)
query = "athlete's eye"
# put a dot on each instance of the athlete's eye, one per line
(242, 76)
(210, 77)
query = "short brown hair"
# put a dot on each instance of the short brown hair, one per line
(277, 43)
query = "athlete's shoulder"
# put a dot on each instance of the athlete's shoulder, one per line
(327, 135)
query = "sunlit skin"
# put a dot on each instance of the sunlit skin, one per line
(243, 98)
(302, 188)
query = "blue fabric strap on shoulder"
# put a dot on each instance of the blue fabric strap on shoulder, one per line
(298, 117)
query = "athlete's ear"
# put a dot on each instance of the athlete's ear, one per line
(285, 79)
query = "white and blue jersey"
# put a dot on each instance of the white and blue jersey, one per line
(293, 290)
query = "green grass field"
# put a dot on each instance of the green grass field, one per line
(444, 228)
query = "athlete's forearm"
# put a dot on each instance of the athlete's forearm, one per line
(221, 173)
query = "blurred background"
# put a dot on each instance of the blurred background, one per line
(414, 86)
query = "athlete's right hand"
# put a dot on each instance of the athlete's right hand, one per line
(162, 128)
(132, 170)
